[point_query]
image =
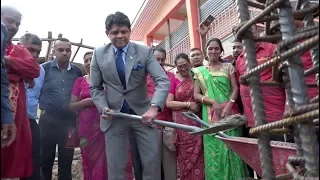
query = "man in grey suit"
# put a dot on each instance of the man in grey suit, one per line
(121, 67)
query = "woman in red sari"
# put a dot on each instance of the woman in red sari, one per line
(180, 99)
(92, 140)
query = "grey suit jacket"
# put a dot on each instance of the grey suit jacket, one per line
(139, 62)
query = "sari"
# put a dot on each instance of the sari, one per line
(92, 139)
(221, 163)
(189, 147)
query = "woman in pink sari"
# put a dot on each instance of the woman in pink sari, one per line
(180, 99)
(92, 140)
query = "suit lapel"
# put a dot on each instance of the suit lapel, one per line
(109, 56)
(130, 60)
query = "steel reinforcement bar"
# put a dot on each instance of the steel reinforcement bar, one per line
(302, 114)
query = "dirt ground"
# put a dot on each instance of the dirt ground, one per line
(76, 167)
(76, 171)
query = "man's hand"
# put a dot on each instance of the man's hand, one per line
(150, 115)
(8, 134)
(31, 83)
(104, 116)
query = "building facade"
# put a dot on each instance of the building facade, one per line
(173, 24)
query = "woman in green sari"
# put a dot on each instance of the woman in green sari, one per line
(216, 88)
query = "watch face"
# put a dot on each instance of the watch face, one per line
(154, 105)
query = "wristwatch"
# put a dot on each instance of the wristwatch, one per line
(154, 105)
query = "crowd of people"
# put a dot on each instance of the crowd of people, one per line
(125, 77)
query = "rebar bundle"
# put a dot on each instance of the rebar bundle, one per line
(302, 117)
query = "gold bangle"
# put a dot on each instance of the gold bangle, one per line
(189, 104)
(202, 100)
(233, 101)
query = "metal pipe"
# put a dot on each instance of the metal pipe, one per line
(296, 160)
(308, 21)
(302, 109)
(305, 11)
(310, 144)
(256, 5)
(264, 146)
(267, 23)
(299, 88)
(195, 118)
(296, 175)
(296, 38)
(280, 131)
(290, 104)
(254, 20)
(306, 117)
(315, 99)
(158, 122)
(314, 69)
(307, 28)
(298, 5)
(283, 55)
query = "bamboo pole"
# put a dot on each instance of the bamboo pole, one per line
(50, 40)
(49, 46)
(74, 56)
(54, 39)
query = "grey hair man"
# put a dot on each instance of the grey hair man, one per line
(34, 45)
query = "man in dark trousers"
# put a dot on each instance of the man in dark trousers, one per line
(56, 118)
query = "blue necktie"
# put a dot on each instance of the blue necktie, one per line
(122, 75)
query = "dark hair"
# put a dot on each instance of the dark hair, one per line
(160, 49)
(87, 53)
(118, 19)
(61, 39)
(181, 56)
(196, 49)
(34, 39)
(219, 43)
